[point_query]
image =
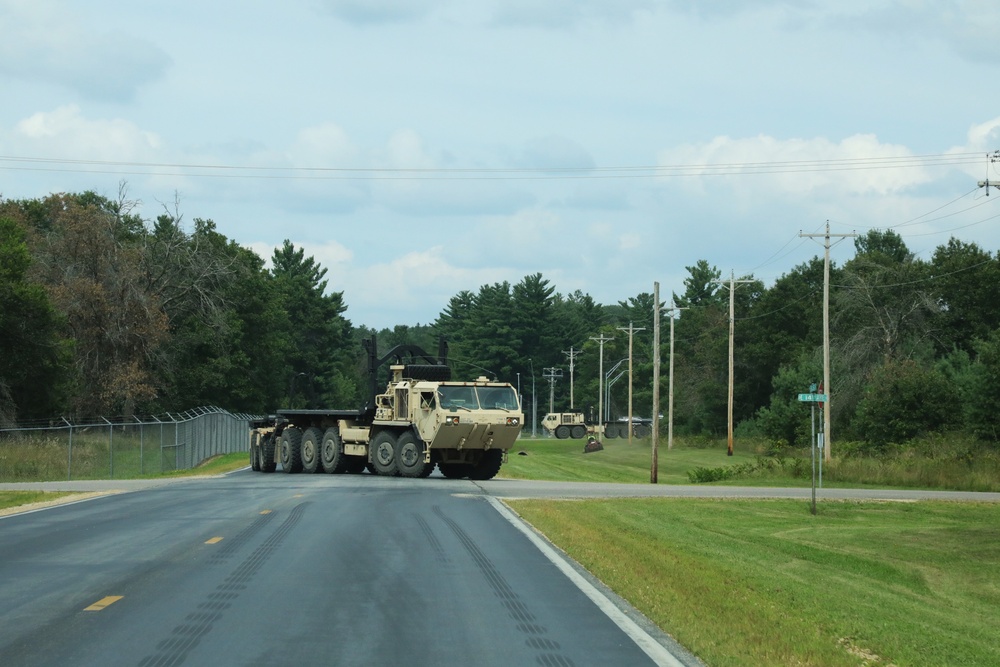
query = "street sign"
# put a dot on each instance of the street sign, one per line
(812, 398)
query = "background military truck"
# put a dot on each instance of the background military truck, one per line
(564, 425)
(422, 419)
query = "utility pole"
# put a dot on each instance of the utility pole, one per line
(827, 389)
(654, 463)
(631, 331)
(600, 385)
(572, 354)
(670, 383)
(732, 331)
(551, 374)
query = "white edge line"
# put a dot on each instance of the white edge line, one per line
(660, 655)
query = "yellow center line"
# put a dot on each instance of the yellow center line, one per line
(214, 540)
(266, 512)
(104, 602)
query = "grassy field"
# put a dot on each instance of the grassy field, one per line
(743, 582)
(619, 461)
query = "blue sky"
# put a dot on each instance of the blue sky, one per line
(420, 148)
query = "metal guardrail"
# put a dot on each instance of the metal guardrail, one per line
(120, 448)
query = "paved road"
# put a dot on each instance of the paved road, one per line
(252, 569)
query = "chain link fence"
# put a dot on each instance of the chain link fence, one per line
(120, 449)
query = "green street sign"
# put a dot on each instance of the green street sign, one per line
(812, 398)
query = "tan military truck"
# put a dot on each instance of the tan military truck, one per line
(423, 419)
(564, 425)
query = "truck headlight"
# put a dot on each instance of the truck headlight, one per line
(451, 420)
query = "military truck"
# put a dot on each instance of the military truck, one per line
(564, 425)
(421, 420)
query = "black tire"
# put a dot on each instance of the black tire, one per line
(454, 470)
(578, 431)
(332, 453)
(291, 450)
(267, 463)
(562, 431)
(309, 451)
(488, 465)
(410, 455)
(255, 452)
(383, 453)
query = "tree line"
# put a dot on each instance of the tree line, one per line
(103, 312)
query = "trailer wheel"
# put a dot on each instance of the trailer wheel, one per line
(291, 450)
(578, 432)
(383, 450)
(488, 465)
(310, 450)
(255, 451)
(331, 453)
(454, 470)
(267, 463)
(562, 431)
(410, 456)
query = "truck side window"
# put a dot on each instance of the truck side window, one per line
(427, 400)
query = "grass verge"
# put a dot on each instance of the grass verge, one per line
(742, 582)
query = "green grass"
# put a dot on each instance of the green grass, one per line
(10, 499)
(619, 461)
(743, 582)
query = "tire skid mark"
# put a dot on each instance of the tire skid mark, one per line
(175, 649)
(439, 553)
(229, 547)
(517, 610)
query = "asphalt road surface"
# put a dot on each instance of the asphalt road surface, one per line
(254, 569)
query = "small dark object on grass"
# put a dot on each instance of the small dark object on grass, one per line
(593, 445)
(522, 453)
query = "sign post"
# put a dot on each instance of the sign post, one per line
(813, 398)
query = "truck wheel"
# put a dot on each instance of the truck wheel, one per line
(291, 450)
(255, 452)
(410, 455)
(310, 450)
(331, 452)
(578, 432)
(383, 451)
(454, 470)
(488, 466)
(562, 431)
(267, 463)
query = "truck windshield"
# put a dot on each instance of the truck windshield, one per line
(497, 398)
(454, 398)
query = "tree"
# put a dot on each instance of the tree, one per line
(964, 285)
(34, 356)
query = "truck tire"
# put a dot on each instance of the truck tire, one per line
(332, 453)
(410, 455)
(255, 451)
(488, 465)
(562, 431)
(454, 470)
(578, 432)
(267, 463)
(312, 442)
(291, 450)
(383, 453)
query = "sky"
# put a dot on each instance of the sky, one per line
(418, 148)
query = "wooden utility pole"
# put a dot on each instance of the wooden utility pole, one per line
(631, 331)
(732, 331)
(826, 332)
(670, 382)
(599, 427)
(572, 354)
(654, 464)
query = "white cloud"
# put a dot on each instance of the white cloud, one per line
(795, 167)
(66, 133)
(46, 41)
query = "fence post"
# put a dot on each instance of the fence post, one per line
(111, 447)
(69, 456)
